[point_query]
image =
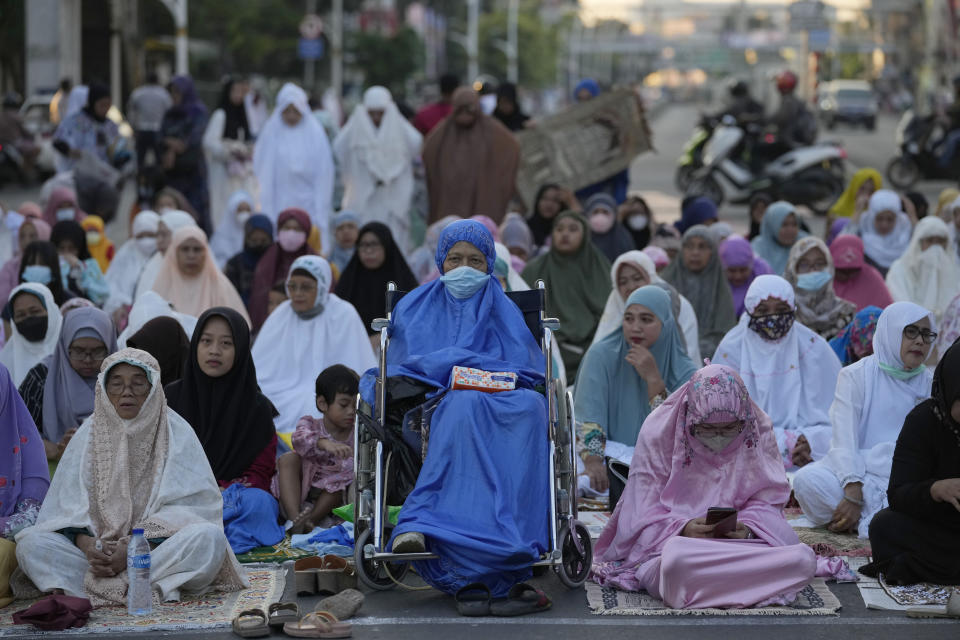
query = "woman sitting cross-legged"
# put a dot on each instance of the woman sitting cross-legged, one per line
(481, 499)
(218, 395)
(788, 369)
(709, 445)
(133, 463)
(625, 376)
(915, 539)
(873, 396)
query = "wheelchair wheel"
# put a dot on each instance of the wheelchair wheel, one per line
(374, 573)
(574, 564)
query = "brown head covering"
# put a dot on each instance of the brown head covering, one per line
(470, 170)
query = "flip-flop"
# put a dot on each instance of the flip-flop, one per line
(344, 605)
(473, 600)
(251, 623)
(318, 624)
(521, 600)
(280, 613)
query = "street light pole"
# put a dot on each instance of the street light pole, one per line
(473, 70)
(308, 64)
(178, 8)
(336, 43)
(512, 11)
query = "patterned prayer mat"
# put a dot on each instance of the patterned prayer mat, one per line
(278, 553)
(918, 594)
(210, 611)
(816, 599)
(828, 544)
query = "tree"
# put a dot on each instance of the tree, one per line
(12, 28)
(387, 61)
(537, 45)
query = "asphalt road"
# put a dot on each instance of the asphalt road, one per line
(402, 615)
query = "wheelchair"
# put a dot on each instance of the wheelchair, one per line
(377, 446)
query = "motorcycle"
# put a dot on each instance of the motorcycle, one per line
(917, 138)
(691, 159)
(11, 164)
(811, 176)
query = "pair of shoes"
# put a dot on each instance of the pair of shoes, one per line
(474, 600)
(409, 542)
(251, 623)
(318, 624)
(952, 609)
(329, 574)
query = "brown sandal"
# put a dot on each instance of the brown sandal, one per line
(318, 624)
(251, 623)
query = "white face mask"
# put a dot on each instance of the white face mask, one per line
(93, 238)
(716, 443)
(65, 214)
(242, 217)
(13, 220)
(147, 245)
(638, 222)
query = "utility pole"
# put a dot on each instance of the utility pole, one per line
(336, 43)
(178, 8)
(473, 68)
(513, 8)
(116, 59)
(308, 65)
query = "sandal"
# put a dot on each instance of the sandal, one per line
(521, 600)
(305, 573)
(952, 610)
(473, 600)
(344, 605)
(330, 574)
(280, 613)
(318, 624)
(251, 623)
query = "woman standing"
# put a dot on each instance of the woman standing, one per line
(577, 277)
(228, 147)
(181, 136)
(698, 275)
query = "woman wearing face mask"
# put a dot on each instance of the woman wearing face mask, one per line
(915, 538)
(625, 376)
(635, 214)
(610, 236)
(741, 267)
(293, 227)
(79, 269)
(99, 245)
(698, 275)
(127, 265)
(466, 314)
(41, 264)
(577, 277)
(170, 222)
(218, 395)
(885, 230)
(310, 331)
(31, 230)
(363, 284)
(35, 329)
(294, 163)
(779, 230)
(849, 486)
(658, 539)
(228, 239)
(550, 201)
(242, 267)
(855, 342)
(787, 368)
(190, 280)
(635, 269)
(810, 271)
(926, 274)
(62, 205)
(58, 391)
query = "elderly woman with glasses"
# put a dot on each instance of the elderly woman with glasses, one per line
(132, 464)
(845, 489)
(59, 391)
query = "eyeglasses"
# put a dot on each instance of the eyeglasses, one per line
(301, 288)
(730, 429)
(806, 267)
(369, 246)
(82, 355)
(910, 332)
(137, 387)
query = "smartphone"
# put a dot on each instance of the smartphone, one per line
(724, 519)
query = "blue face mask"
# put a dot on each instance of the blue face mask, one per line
(65, 214)
(463, 282)
(40, 273)
(813, 281)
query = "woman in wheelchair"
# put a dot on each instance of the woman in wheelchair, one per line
(481, 502)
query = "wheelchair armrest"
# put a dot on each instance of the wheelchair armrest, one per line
(379, 323)
(551, 323)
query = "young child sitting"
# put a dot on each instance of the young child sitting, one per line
(313, 479)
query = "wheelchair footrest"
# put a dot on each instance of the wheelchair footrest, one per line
(400, 557)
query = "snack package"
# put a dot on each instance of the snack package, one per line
(480, 380)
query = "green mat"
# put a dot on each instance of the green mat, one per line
(346, 513)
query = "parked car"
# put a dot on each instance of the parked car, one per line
(848, 101)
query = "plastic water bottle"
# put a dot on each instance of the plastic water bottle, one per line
(139, 594)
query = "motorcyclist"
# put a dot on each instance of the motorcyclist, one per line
(742, 105)
(792, 118)
(948, 148)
